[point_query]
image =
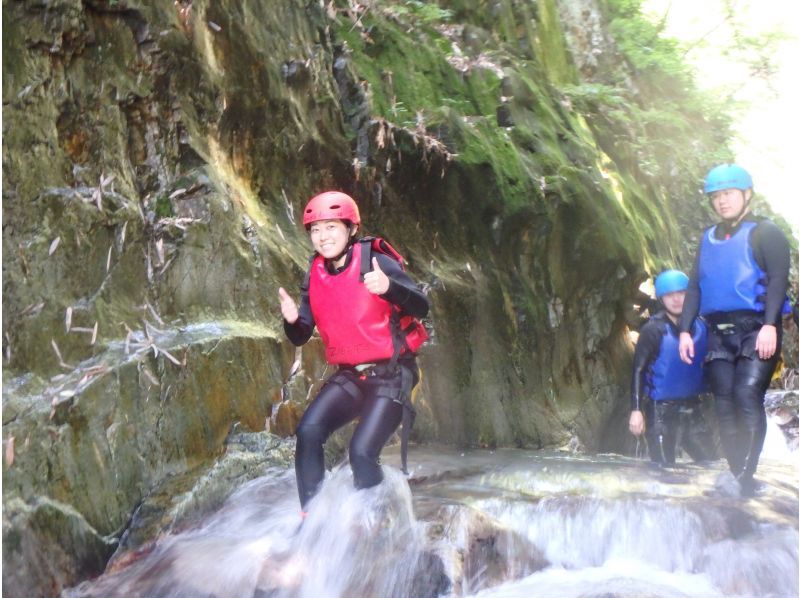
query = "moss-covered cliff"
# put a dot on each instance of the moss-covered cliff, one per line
(156, 155)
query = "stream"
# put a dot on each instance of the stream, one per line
(490, 523)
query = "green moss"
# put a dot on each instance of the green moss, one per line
(164, 207)
(550, 45)
(382, 56)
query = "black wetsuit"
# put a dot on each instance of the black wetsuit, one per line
(665, 419)
(375, 396)
(738, 377)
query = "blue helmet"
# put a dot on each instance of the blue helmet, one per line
(727, 176)
(670, 281)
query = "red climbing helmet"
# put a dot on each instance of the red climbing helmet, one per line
(331, 205)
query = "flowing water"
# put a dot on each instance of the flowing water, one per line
(505, 523)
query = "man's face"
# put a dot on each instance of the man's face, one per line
(673, 302)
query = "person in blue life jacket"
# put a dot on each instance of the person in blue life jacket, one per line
(365, 306)
(738, 285)
(665, 391)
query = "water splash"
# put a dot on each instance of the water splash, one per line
(507, 523)
(357, 543)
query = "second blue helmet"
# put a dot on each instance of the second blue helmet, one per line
(671, 281)
(727, 176)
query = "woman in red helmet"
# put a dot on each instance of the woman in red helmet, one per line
(364, 305)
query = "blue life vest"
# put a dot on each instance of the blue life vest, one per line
(669, 378)
(730, 278)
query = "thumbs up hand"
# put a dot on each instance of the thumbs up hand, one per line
(376, 281)
(288, 306)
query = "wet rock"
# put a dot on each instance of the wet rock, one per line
(61, 406)
(504, 118)
(782, 407)
(726, 484)
(295, 72)
(764, 564)
(132, 427)
(489, 553)
(575, 446)
(285, 417)
(183, 500)
(48, 546)
(431, 580)
(783, 416)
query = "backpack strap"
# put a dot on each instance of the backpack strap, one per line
(366, 256)
(370, 244)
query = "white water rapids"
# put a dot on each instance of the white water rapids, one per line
(505, 523)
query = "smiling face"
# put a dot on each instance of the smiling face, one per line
(729, 204)
(330, 238)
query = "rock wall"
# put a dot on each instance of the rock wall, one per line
(156, 157)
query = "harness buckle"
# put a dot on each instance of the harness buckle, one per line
(726, 328)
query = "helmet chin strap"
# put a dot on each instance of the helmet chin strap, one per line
(734, 222)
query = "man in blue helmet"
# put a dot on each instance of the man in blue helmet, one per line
(668, 387)
(739, 286)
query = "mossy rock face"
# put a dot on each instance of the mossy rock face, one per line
(103, 437)
(181, 501)
(156, 160)
(48, 546)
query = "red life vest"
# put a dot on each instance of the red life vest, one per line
(357, 326)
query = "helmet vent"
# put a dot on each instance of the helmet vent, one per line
(335, 207)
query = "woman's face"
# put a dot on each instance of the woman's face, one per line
(730, 203)
(330, 238)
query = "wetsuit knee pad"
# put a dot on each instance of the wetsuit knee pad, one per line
(360, 457)
(311, 433)
(751, 390)
(755, 377)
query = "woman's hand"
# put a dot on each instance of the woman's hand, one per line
(767, 341)
(376, 281)
(288, 307)
(636, 423)
(686, 347)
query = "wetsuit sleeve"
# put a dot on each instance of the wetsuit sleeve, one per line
(691, 302)
(402, 291)
(646, 351)
(771, 250)
(299, 332)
